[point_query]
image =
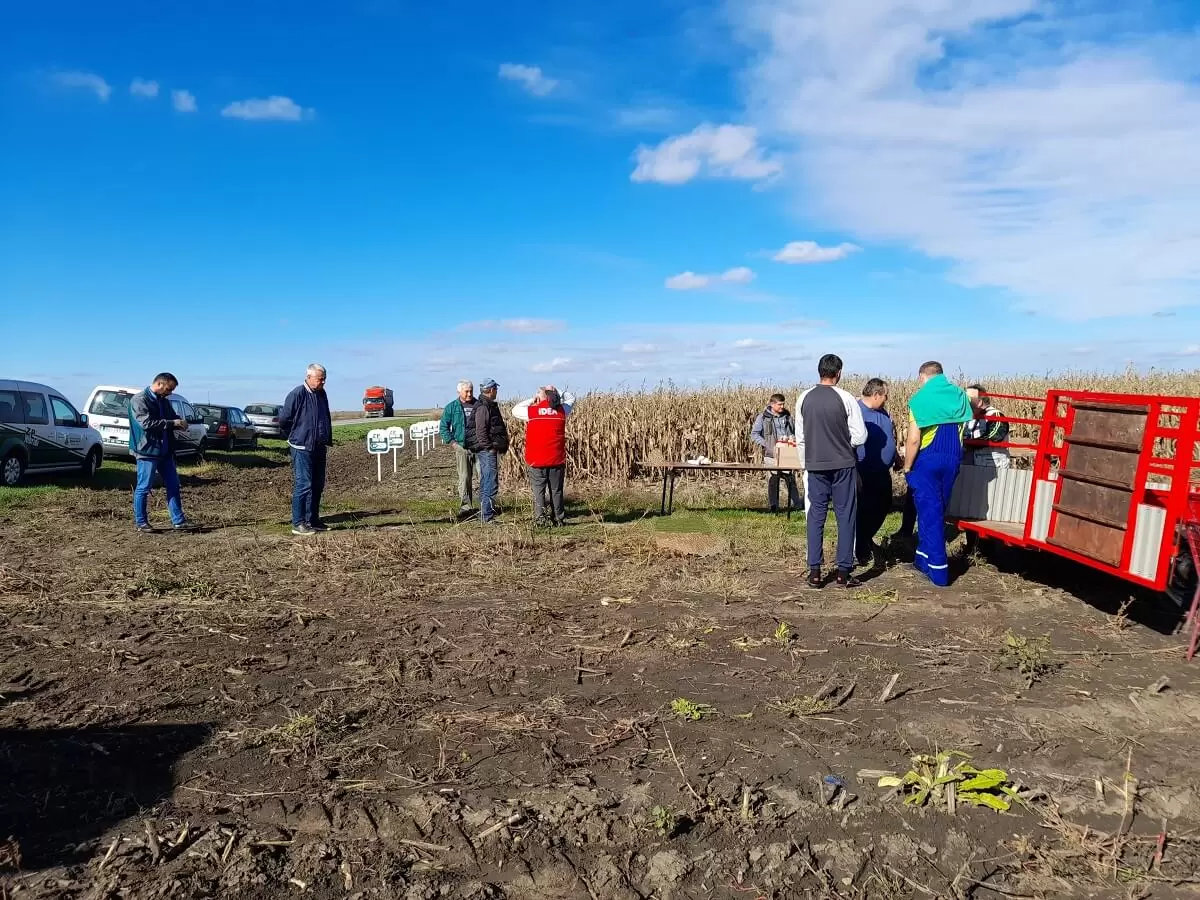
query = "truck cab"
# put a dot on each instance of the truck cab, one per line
(378, 402)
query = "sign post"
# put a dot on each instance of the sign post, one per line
(377, 444)
(395, 438)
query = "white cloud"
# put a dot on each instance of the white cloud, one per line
(515, 326)
(738, 275)
(531, 78)
(85, 81)
(749, 344)
(281, 109)
(802, 252)
(725, 151)
(555, 365)
(994, 134)
(141, 87)
(640, 347)
(690, 281)
(183, 101)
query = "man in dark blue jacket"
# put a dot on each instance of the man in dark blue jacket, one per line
(876, 459)
(152, 427)
(306, 423)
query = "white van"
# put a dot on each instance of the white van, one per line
(40, 431)
(108, 411)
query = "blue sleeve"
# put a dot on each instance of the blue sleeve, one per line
(756, 433)
(287, 415)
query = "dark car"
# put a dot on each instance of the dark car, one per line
(228, 428)
(265, 418)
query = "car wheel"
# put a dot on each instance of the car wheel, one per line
(12, 468)
(201, 449)
(254, 442)
(91, 464)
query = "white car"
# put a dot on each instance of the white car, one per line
(108, 412)
(40, 431)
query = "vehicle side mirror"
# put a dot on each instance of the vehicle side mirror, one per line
(83, 420)
(195, 420)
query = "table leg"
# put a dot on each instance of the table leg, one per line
(663, 505)
(671, 501)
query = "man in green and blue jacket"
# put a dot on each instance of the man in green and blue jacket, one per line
(457, 429)
(152, 427)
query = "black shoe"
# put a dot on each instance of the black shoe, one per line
(319, 526)
(302, 531)
(814, 578)
(847, 580)
(145, 529)
(772, 509)
(186, 526)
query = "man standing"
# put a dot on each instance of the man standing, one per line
(775, 424)
(152, 427)
(306, 423)
(546, 450)
(458, 430)
(933, 451)
(983, 428)
(876, 458)
(491, 437)
(831, 426)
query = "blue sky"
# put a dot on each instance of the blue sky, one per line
(414, 193)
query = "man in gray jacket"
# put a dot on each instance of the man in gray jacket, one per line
(774, 424)
(831, 426)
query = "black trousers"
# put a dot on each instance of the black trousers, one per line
(874, 503)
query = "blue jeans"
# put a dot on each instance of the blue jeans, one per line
(489, 483)
(309, 469)
(146, 469)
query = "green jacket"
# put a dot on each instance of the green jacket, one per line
(453, 427)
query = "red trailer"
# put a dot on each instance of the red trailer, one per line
(1114, 484)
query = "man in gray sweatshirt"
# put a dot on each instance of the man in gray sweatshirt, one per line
(831, 427)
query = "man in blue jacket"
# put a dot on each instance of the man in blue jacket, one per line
(306, 423)
(876, 459)
(152, 427)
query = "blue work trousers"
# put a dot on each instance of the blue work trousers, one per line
(931, 483)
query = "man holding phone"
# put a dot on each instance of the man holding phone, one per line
(152, 427)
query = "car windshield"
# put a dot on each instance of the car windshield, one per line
(111, 403)
(216, 413)
(262, 409)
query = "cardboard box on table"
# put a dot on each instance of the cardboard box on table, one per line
(787, 455)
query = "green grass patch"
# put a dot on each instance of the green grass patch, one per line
(348, 434)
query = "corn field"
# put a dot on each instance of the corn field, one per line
(609, 434)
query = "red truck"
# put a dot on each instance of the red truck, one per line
(378, 402)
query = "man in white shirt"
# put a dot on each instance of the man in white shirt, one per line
(830, 425)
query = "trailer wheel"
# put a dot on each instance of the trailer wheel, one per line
(1181, 587)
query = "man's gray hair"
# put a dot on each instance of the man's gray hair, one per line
(313, 368)
(464, 386)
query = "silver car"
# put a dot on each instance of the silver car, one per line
(265, 418)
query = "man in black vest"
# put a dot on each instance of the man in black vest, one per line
(491, 441)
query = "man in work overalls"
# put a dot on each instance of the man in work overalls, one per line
(937, 415)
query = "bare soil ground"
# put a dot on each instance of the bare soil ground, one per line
(405, 707)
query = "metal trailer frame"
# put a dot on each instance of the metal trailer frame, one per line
(1152, 440)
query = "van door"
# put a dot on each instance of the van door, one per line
(44, 451)
(187, 442)
(68, 430)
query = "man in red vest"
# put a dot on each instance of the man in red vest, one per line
(546, 450)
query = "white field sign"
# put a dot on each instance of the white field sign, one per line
(377, 445)
(395, 437)
(424, 435)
